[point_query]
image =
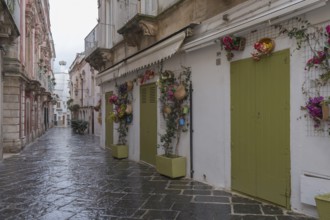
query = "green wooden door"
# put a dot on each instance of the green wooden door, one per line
(108, 122)
(148, 123)
(260, 127)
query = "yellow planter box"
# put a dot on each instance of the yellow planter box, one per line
(119, 151)
(323, 206)
(172, 167)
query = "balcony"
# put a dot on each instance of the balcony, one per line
(97, 46)
(92, 41)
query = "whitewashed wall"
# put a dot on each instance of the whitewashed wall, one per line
(309, 154)
(211, 119)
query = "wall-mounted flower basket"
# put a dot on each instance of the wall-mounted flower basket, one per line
(231, 43)
(264, 47)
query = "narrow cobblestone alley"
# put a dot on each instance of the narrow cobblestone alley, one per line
(68, 176)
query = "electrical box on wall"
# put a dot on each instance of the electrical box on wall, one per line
(311, 186)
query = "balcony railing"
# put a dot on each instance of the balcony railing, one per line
(94, 39)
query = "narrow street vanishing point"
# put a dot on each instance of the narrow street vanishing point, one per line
(69, 176)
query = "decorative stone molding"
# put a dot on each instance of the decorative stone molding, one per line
(138, 28)
(33, 85)
(38, 35)
(29, 18)
(8, 29)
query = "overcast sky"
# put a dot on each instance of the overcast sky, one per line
(71, 21)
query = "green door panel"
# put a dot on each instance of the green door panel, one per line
(148, 123)
(243, 126)
(260, 99)
(273, 128)
(108, 122)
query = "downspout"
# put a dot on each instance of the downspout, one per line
(191, 132)
(82, 91)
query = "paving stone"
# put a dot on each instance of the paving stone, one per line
(177, 198)
(68, 176)
(221, 193)
(212, 199)
(197, 192)
(246, 209)
(273, 210)
(55, 215)
(256, 217)
(156, 214)
(163, 205)
(243, 200)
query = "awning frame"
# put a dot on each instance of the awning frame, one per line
(156, 53)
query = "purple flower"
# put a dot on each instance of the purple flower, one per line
(314, 109)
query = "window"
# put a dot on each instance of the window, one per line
(58, 105)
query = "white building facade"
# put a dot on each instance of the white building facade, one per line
(246, 136)
(62, 115)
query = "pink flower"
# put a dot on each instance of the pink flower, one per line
(113, 99)
(316, 59)
(327, 28)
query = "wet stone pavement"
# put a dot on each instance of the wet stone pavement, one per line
(68, 176)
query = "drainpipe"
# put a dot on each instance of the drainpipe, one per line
(82, 91)
(191, 133)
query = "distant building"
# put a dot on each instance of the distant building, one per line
(85, 95)
(62, 115)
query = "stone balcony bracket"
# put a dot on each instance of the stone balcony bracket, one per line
(100, 58)
(139, 27)
(33, 85)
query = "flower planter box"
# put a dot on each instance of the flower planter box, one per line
(172, 167)
(119, 151)
(323, 206)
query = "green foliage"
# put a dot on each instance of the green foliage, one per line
(175, 117)
(122, 131)
(74, 108)
(79, 126)
(299, 33)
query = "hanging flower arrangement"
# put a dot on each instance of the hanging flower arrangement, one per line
(231, 43)
(123, 112)
(263, 47)
(174, 94)
(148, 75)
(317, 41)
(317, 109)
